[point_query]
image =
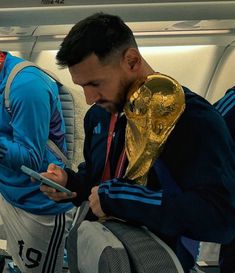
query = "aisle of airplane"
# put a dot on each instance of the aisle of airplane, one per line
(192, 41)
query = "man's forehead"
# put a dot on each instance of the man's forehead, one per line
(86, 78)
(85, 72)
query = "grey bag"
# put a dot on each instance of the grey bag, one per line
(147, 253)
(92, 248)
(117, 247)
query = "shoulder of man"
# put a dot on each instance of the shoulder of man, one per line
(227, 103)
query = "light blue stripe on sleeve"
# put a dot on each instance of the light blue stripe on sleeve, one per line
(134, 189)
(130, 197)
(225, 101)
(225, 111)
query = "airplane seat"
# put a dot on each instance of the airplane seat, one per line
(223, 77)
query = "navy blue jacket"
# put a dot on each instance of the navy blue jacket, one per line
(191, 187)
(226, 106)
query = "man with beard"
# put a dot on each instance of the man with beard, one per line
(189, 184)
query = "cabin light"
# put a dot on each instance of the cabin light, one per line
(9, 38)
(151, 50)
(59, 36)
(181, 32)
(172, 32)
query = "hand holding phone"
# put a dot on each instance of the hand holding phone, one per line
(45, 180)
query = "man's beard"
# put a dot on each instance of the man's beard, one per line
(120, 100)
(111, 106)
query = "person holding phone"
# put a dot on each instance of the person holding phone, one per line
(38, 177)
(36, 226)
(154, 156)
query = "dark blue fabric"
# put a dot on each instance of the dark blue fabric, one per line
(226, 106)
(199, 156)
(169, 186)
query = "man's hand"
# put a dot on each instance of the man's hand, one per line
(59, 176)
(94, 202)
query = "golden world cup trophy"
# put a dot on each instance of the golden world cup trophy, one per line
(153, 107)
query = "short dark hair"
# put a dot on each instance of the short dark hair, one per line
(102, 34)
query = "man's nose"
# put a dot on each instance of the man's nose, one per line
(91, 96)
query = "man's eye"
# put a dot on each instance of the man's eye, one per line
(94, 84)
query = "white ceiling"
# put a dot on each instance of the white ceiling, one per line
(37, 3)
(35, 21)
(131, 11)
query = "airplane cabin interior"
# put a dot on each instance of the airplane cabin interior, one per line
(191, 41)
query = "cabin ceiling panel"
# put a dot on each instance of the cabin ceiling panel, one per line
(22, 44)
(41, 3)
(169, 18)
(130, 11)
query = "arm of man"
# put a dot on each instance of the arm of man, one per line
(30, 116)
(226, 107)
(88, 175)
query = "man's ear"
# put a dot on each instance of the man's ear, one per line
(132, 59)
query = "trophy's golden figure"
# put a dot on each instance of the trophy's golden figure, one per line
(153, 107)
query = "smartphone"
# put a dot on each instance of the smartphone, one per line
(44, 180)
